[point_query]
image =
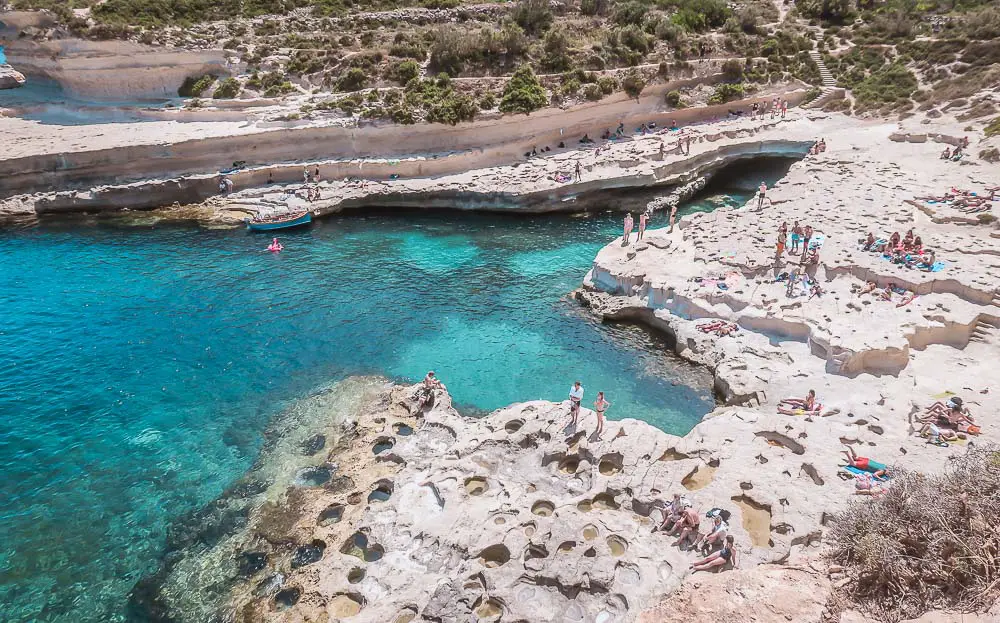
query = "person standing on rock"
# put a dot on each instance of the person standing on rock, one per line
(600, 407)
(305, 175)
(784, 108)
(629, 223)
(643, 220)
(688, 142)
(575, 400)
(578, 173)
(762, 190)
(673, 216)
(796, 237)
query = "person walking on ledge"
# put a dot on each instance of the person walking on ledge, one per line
(578, 173)
(760, 197)
(629, 223)
(643, 219)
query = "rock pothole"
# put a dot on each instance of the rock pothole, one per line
(543, 508)
(590, 532)
(488, 609)
(566, 547)
(346, 605)
(569, 465)
(357, 545)
(382, 444)
(287, 597)
(406, 615)
(672, 454)
(534, 551)
(494, 556)
(617, 545)
(756, 520)
(402, 429)
(610, 464)
(476, 485)
(513, 426)
(605, 501)
(627, 575)
(330, 515)
(584, 506)
(382, 491)
(249, 563)
(355, 575)
(313, 444)
(308, 554)
(698, 478)
(315, 476)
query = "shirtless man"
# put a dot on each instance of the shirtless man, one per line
(762, 190)
(688, 524)
(575, 399)
(643, 220)
(628, 223)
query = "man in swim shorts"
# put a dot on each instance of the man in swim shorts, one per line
(575, 399)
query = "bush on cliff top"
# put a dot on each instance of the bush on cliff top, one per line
(194, 86)
(928, 542)
(523, 92)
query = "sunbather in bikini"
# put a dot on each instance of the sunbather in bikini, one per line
(869, 287)
(869, 242)
(790, 406)
(894, 240)
(718, 559)
(927, 260)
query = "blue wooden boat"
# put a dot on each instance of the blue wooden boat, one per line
(284, 221)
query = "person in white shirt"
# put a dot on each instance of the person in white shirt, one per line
(575, 399)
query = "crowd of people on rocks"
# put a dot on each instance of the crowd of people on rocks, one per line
(908, 250)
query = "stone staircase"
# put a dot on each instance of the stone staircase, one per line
(829, 89)
(985, 331)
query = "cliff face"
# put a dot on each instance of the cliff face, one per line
(10, 78)
(104, 70)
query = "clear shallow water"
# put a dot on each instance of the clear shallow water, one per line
(141, 365)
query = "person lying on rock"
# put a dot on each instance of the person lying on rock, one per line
(952, 414)
(938, 436)
(718, 559)
(879, 470)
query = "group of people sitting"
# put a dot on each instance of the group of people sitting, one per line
(818, 147)
(956, 154)
(715, 544)
(950, 421)
(907, 251)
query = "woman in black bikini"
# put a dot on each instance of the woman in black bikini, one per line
(717, 559)
(600, 406)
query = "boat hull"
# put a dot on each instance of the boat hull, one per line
(305, 219)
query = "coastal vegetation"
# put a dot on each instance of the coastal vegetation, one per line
(894, 57)
(930, 541)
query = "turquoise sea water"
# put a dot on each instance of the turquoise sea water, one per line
(142, 363)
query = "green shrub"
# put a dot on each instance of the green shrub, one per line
(194, 86)
(633, 84)
(534, 16)
(523, 93)
(726, 93)
(404, 71)
(556, 46)
(830, 10)
(891, 84)
(673, 99)
(227, 89)
(407, 49)
(595, 7)
(631, 12)
(993, 128)
(732, 70)
(592, 92)
(353, 79)
(488, 101)
(607, 84)
(699, 15)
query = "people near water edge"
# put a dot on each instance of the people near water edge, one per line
(575, 400)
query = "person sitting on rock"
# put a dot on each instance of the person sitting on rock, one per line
(807, 404)
(869, 287)
(672, 513)
(946, 154)
(688, 524)
(425, 394)
(718, 559)
(715, 535)
(927, 260)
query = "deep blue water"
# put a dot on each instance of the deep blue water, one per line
(142, 363)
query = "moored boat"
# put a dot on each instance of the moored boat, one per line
(279, 221)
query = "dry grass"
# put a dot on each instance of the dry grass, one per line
(929, 542)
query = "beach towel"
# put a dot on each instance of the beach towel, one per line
(854, 471)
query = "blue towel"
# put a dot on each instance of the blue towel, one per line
(859, 472)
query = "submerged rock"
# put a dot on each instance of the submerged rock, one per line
(250, 563)
(314, 444)
(269, 585)
(308, 554)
